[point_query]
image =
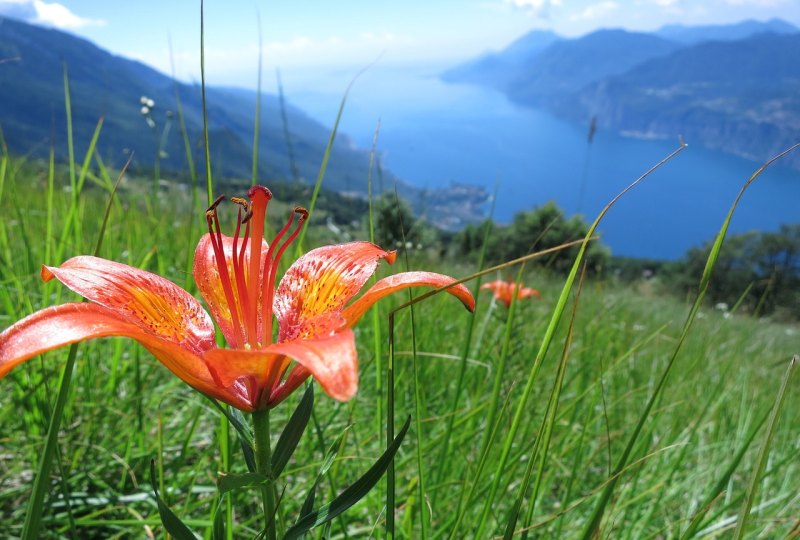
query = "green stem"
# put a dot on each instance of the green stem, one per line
(262, 451)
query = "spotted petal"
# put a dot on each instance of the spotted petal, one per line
(156, 305)
(57, 326)
(323, 281)
(404, 280)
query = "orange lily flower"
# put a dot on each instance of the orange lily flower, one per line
(504, 290)
(236, 277)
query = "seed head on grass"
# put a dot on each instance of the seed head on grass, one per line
(236, 277)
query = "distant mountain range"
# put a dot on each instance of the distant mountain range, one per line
(735, 88)
(33, 61)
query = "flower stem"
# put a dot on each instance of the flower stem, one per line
(263, 458)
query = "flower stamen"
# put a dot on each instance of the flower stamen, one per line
(237, 258)
(215, 236)
(271, 269)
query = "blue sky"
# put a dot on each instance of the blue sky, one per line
(308, 36)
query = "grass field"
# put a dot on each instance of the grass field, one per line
(618, 427)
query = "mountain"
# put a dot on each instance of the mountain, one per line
(34, 60)
(735, 88)
(742, 97)
(724, 32)
(495, 68)
(541, 66)
(568, 65)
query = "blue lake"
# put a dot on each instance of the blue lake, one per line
(433, 133)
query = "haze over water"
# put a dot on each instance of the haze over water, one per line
(434, 133)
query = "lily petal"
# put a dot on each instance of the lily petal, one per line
(404, 280)
(154, 304)
(57, 326)
(206, 276)
(332, 360)
(323, 281)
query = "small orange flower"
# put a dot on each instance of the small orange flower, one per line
(504, 290)
(236, 277)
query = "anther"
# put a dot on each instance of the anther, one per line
(246, 206)
(216, 203)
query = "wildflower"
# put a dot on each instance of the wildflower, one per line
(504, 290)
(236, 277)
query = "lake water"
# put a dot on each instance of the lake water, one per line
(433, 133)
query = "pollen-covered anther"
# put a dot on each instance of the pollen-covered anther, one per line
(246, 208)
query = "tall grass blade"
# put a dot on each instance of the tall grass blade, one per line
(375, 315)
(462, 369)
(286, 133)
(763, 453)
(593, 525)
(546, 341)
(187, 149)
(719, 487)
(417, 395)
(257, 122)
(206, 145)
(172, 523)
(542, 443)
(325, 158)
(390, 473)
(70, 143)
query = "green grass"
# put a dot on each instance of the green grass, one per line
(696, 455)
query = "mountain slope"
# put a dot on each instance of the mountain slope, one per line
(568, 66)
(561, 65)
(742, 97)
(728, 87)
(724, 32)
(496, 69)
(32, 113)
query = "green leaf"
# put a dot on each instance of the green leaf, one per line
(245, 437)
(330, 457)
(239, 423)
(763, 453)
(290, 436)
(218, 529)
(171, 522)
(352, 494)
(231, 482)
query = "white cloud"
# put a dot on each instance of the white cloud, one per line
(595, 11)
(46, 13)
(535, 7)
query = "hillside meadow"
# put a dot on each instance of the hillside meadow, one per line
(631, 416)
